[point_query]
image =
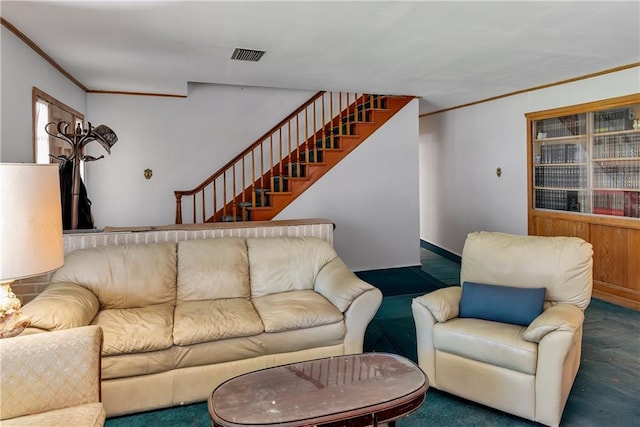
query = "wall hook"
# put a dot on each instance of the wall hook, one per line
(499, 172)
(148, 173)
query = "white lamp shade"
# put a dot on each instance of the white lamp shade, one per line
(30, 220)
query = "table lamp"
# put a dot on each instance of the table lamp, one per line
(30, 233)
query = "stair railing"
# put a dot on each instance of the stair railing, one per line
(249, 177)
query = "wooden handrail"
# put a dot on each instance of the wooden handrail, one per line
(248, 149)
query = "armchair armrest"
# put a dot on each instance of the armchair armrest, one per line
(443, 304)
(62, 305)
(340, 285)
(559, 317)
(50, 371)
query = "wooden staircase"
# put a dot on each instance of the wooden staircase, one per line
(278, 167)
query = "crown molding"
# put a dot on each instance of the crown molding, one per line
(531, 89)
(9, 26)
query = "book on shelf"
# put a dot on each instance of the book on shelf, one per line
(617, 146)
(613, 120)
(631, 204)
(557, 127)
(634, 200)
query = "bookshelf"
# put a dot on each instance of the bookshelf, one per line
(584, 181)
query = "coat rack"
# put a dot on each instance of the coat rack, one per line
(78, 139)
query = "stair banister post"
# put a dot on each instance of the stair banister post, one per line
(178, 207)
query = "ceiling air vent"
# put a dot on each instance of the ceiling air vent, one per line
(247, 54)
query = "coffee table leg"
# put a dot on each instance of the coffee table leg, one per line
(387, 424)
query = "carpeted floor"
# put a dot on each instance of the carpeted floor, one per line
(606, 391)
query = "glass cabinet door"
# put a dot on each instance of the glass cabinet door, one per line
(615, 161)
(560, 163)
(588, 162)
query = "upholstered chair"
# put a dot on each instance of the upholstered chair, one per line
(515, 345)
(51, 379)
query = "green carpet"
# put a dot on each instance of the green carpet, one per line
(606, 391)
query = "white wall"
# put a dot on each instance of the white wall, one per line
(183, 140)
(459, 151)
(372, 197)
(21, 70)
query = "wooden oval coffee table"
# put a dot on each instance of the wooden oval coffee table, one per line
(354, 390)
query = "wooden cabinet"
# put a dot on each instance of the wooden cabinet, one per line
(584, 181)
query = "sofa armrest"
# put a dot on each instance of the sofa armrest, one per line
(340, 285)
(443, 304)
(559, 317)
(49, 371)
(357, 318)
(62, 306)
(357, 299)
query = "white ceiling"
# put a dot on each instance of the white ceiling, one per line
(446, 52)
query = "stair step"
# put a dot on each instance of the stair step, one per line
(279, 184)
(345, 129)
(295, 169)
(379, 102)
(362, 116)
(262, 200)
(314, 156)
(229, 218)
(328, 140)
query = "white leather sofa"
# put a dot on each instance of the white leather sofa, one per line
(525, 370)
(180, 318)
(51, 380)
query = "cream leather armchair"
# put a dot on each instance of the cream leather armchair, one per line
(529, 370)
(51, 379)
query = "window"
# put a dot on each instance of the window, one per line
(47, 109)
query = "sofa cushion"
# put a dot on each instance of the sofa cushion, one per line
(136, 330)
(303, 339)
(501, 303)
(124, 276)
(213, 268)
(219, 351)
(209, 320)
(282, 264)
(135, 364)
(295, 310)
(495, 343)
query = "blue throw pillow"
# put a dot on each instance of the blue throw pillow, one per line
(501, 303)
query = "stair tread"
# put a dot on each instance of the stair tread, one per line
(281, 193)
(344, 136)
(289, 178)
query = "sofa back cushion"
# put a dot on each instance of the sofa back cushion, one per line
(213, 269)
(562, 265)
(124, 276)
(282, 264)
